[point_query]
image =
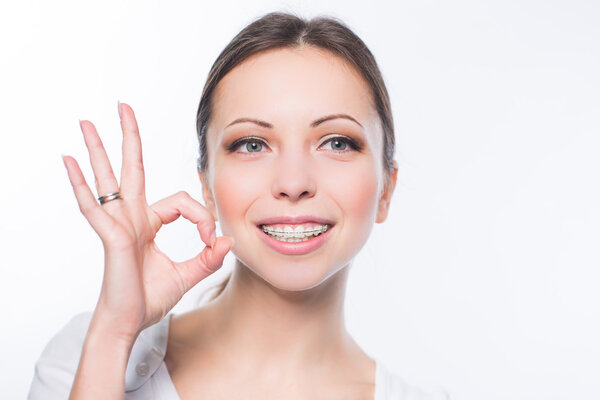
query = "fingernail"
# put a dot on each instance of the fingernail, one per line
(213, 239)
(232, 240)
(119, 108)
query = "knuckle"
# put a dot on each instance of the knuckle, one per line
(206, 223)
(205, 260)
(139, 166)
(182, 197)
(182, 194)
(85, 209)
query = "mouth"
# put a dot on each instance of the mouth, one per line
(294, 233)
(297, 238)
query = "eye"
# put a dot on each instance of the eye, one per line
(341, 144)
(249, 144)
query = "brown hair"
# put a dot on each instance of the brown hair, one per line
(284, 30)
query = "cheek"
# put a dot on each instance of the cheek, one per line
(355, 190)
(235, 189)
(356, 193)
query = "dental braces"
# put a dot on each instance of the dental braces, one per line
(294, 234)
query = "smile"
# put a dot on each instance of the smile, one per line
(290, 239)
(294, 233)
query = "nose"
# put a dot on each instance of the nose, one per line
(293, 178)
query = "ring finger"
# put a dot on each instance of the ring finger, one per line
(106, 183)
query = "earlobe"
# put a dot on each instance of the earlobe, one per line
(384, 201)
(207, 195)
(382, 211)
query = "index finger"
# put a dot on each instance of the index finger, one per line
(182, 204)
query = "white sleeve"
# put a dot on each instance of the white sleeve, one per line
(399, 389)
(55, 369)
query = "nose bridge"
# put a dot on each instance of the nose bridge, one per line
(293, 176)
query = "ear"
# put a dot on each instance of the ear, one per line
(384, 201)
(207, 195)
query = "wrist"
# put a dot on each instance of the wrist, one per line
(106, 330)
(102, 338)
(103, 364)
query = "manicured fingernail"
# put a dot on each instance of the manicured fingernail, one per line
(119, 108)
(213, 239)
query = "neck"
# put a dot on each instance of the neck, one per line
(281, 332)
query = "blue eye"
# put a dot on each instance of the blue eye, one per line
(340, 144)
(252, 145)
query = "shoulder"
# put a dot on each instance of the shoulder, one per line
(55, 369)
(390, 386)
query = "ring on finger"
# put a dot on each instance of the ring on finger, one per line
(109, 197)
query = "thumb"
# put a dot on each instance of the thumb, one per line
(205, 263)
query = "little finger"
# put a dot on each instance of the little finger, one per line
(97, 217)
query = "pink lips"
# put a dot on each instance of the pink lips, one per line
(296, 248)
(294, 220)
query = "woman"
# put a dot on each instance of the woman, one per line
(296, 162)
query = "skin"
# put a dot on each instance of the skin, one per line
(283, 315)
(141, 283)
(279, 315)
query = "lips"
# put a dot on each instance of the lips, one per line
(294, 220)
(295, 248)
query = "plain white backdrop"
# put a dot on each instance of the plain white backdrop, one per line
(484, 279)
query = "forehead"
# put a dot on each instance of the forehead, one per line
(288, 85)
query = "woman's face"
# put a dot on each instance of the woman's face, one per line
(297, 164)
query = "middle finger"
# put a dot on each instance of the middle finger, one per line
(132, 171)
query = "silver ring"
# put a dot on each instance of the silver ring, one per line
(109, 197)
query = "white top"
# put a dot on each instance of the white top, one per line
(147, 376)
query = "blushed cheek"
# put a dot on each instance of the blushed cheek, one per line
(355, 191)
(235, 189)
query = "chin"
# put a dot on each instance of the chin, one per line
(294, 277)
(296, 285)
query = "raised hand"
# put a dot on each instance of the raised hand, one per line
(141, 284)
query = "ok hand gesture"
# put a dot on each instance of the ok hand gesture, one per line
(141, 284)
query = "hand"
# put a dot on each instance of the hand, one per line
(141, 284)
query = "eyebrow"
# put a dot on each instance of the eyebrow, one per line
(313, 124)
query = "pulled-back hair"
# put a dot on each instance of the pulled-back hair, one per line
(277, 30)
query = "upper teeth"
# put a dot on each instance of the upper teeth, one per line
(298, 230)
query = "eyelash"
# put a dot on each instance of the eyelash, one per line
(354, 146)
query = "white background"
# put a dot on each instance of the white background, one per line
(484, 279)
